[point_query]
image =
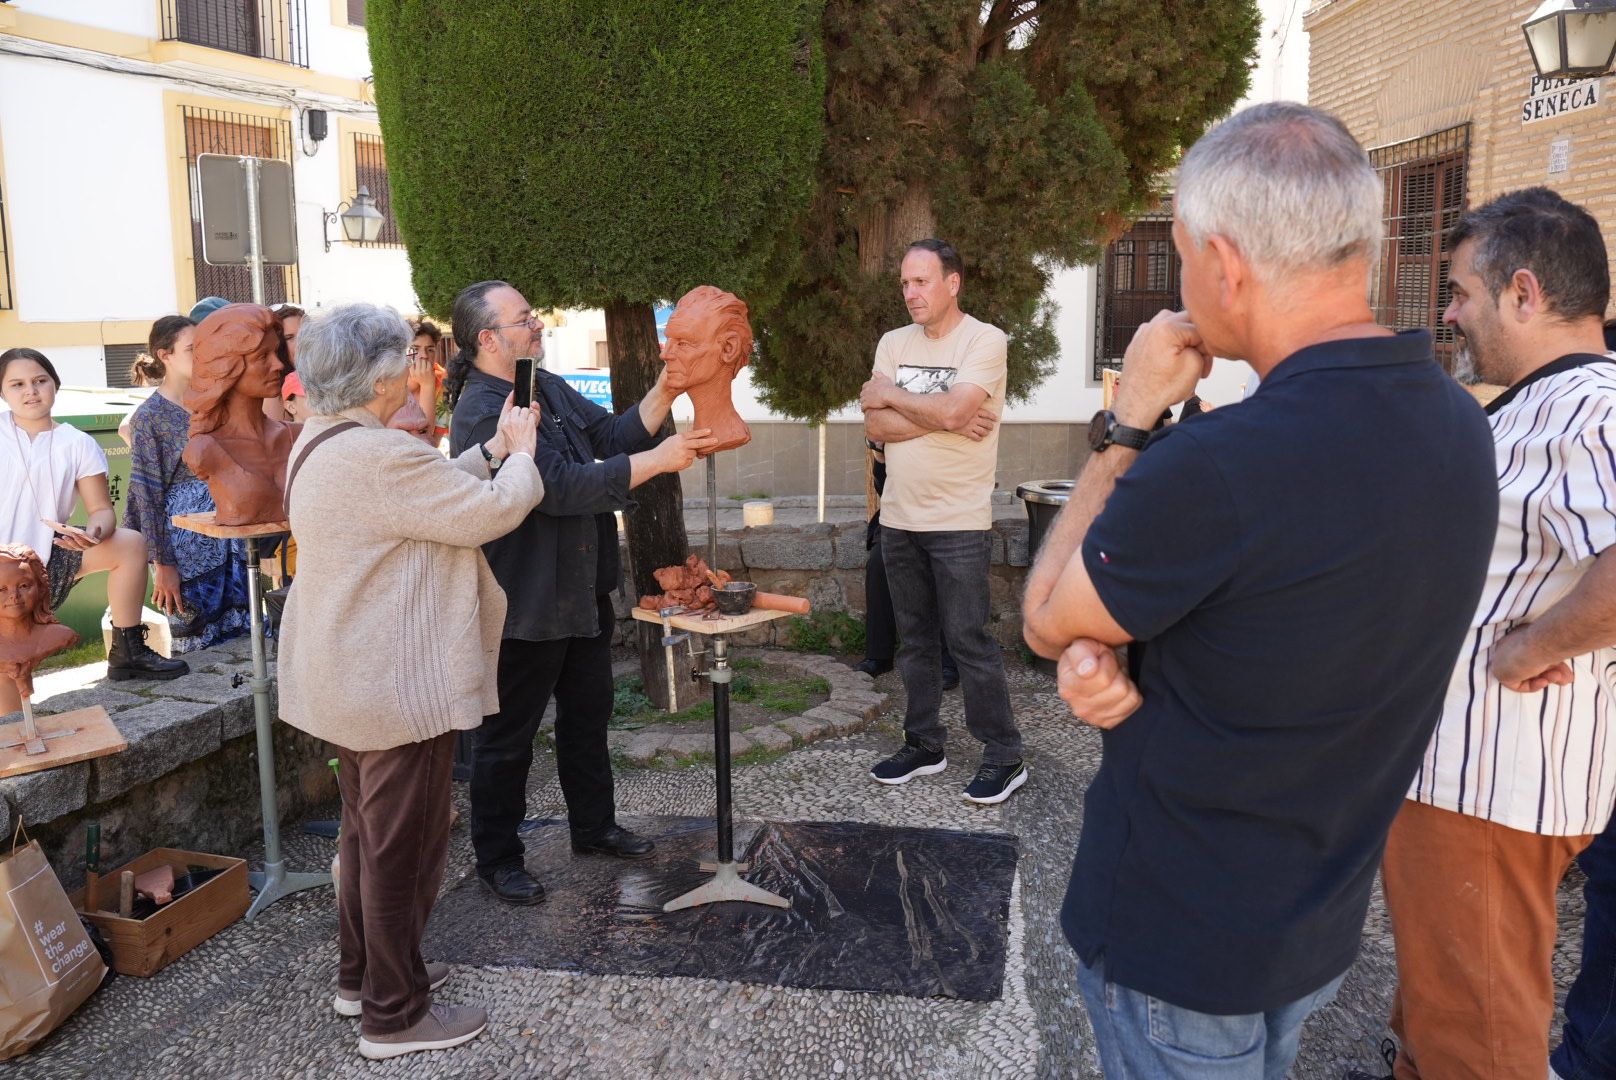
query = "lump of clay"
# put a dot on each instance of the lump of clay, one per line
(156, 884)
(240, 359)
(689, 585)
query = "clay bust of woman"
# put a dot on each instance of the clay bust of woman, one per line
(28, 630)
(709, 342)
(241, 453)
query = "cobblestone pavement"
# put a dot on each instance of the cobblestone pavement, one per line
(254, 1001)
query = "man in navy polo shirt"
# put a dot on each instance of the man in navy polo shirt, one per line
(1303, 565)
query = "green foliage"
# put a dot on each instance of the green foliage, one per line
(1025, 144)
(599, 152)
(825, 631)
(628, 698)
(85, 652)
(631, 709)
(784, 695)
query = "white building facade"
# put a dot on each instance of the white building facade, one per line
(104, 107)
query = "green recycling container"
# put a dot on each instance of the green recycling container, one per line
(97, 413)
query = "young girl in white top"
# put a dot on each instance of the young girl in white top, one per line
(45, 468)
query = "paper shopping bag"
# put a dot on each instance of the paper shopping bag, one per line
(48, 966)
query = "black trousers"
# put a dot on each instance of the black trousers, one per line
(880, 624)
(578, 671)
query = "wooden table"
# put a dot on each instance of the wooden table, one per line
(726, 883)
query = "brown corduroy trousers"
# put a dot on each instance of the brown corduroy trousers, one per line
(392, 851)
(1472, 905)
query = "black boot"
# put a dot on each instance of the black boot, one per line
(131, 658)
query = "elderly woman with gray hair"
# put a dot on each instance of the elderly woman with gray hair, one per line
(390, 641)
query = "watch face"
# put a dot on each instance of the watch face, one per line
(1100, 428)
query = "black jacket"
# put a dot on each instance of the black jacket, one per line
(564, 554)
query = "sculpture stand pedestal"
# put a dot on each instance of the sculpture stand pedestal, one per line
(72, 736)
(274, 881)
(726, 883)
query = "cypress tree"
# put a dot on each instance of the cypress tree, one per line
(1024, 131)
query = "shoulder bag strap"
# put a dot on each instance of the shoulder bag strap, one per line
(291, 474)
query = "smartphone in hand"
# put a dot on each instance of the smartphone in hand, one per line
(524, 382)
(70, 530)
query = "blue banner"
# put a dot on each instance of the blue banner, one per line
(594, 385)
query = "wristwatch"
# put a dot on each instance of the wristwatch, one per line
(1104, 430)
(493, 462)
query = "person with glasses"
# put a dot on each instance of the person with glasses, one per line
(558, 569)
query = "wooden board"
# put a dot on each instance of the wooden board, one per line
(722, 624)
(144, 946)
(96, 737)
(205, 524)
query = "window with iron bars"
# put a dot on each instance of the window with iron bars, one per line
(271, 29)
(213, 131)
(6, 301)
(356, 12)
(1423, 181)
(1138, 277)
(370, 172)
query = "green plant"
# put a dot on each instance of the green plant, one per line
(826, 631)
(785, 695)
(85, 652)
(628, 698)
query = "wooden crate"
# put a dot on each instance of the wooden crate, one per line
(145, 946)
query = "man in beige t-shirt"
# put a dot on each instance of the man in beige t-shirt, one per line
(934, 400)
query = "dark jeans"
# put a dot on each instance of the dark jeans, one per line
(880, 625)
(394, 844)
(939, 582)
(1587, 1049)
(578, 671)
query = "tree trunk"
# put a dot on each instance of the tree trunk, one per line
(885, 231)
(656, 527)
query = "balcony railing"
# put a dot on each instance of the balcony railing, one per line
(271, 29)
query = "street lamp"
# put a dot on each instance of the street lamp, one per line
(1572, 39)
(361, 221)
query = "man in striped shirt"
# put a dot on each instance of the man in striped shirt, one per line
(1521, 771)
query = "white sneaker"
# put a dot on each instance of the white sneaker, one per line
(443, 1026)
(347, 1003)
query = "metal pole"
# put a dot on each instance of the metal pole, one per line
(822, 470)
(712, 512)
(255, 240)
(274, 882)
(726, 805)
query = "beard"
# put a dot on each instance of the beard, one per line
(1464, 363)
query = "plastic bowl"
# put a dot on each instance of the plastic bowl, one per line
(734, 598)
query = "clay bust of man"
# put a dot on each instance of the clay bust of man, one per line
(28, 630)
(240, 356)
(709, 342)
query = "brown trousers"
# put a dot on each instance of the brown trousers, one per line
(1472, 906)
(394, 844)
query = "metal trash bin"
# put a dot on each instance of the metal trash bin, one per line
(1044, 499)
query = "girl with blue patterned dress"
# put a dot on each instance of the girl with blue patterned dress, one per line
(200, 582)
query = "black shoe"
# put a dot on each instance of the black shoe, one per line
(908, 763)
(131, 658)
(994, 783)
(950, 678)
(872, 668)
(615, 841)
(514, 885)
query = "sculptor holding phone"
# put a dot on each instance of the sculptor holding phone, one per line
(46, 470)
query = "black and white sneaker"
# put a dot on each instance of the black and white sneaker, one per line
(994, 783)
(908, 763)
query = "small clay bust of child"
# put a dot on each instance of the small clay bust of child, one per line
(28, 630)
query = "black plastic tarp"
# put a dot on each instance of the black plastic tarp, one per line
(919, 912)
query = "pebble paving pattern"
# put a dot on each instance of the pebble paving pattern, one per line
(255, 1000)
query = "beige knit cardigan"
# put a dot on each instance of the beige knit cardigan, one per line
(391, 632)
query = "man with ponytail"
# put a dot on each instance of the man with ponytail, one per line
(557, 569)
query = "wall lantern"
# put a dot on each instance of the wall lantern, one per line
(1572, 39)
(361, 221)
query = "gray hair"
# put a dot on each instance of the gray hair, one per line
(343, 353)
(1288, 185)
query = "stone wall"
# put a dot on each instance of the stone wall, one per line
(825, 562)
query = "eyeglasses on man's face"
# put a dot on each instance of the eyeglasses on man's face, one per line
(532, 322)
